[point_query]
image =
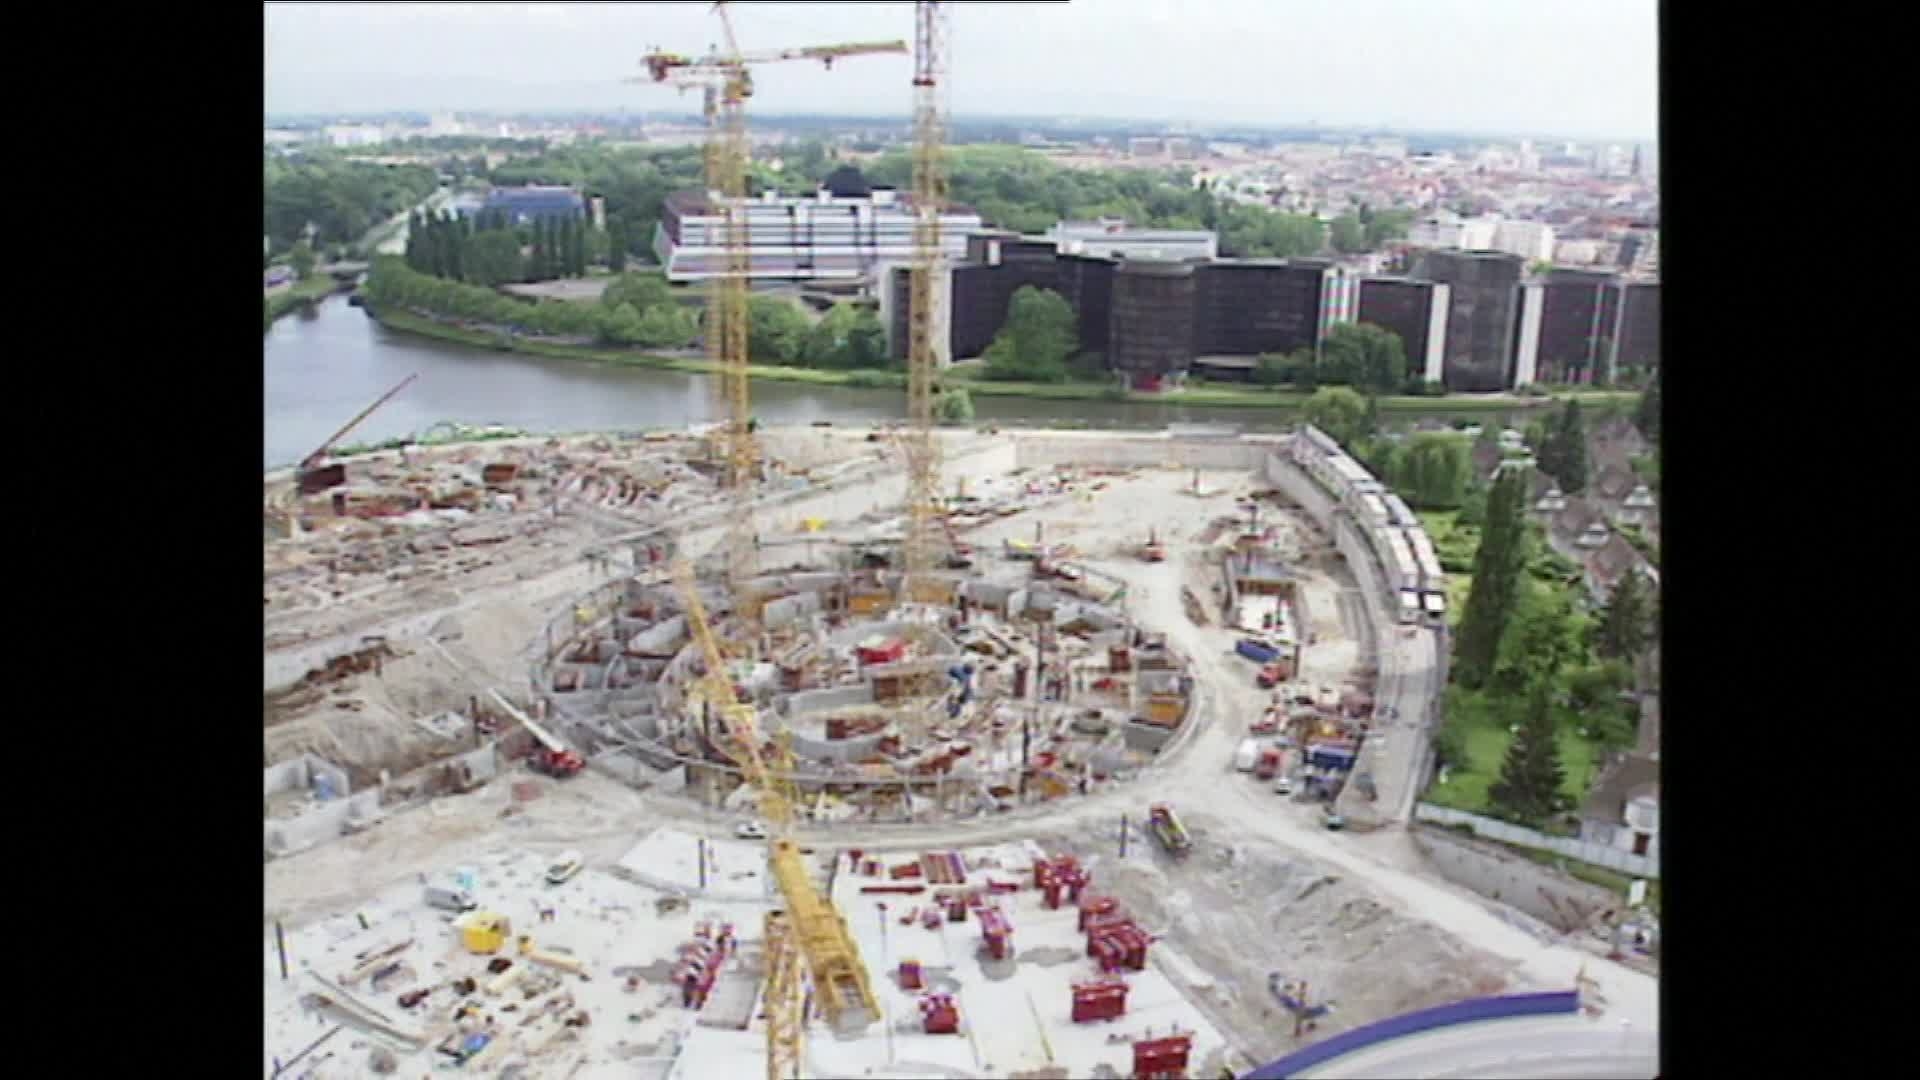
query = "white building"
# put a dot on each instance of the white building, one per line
(827, 236)
(1531, 240)
(354, 135)
(1115, 239)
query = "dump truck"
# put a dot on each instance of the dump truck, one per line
(1167, 830)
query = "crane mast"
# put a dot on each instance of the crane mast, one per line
(925, 349)
(727, 83)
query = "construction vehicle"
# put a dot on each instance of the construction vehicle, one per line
(1154, 550)
(1166, 828)
(312, 476)
(810, 931)
(558, 764)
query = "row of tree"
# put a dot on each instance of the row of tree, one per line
(488, 249)
(340, 198)
(635, 309)
(1362, 355)
(846, 337)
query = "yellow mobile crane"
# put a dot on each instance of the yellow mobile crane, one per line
(924, 349)
(810, 928)
(726, 84)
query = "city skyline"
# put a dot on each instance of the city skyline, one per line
(1506, 69)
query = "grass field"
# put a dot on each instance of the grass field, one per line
(1484, 730)
(299, 293)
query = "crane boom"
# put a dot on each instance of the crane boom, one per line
(821, 933)
(313, 459)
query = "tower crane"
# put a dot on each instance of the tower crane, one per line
(925, 351)
(726, 84)
(809, 939)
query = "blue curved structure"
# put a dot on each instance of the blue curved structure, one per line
(1473, 1011)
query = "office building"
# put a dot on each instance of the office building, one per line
(846, 231)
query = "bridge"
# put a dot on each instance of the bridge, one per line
(347, 271)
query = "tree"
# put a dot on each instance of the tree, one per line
(1271, 370)
(1339, 412)
(1597, 687)
(1538, 642)
(1528, 789)
(1647, 416)
(776, 331)
(495, 259)
(955, 406)
(1497, 563)
(664, 326)
(1366, 356)
(302, 260)
(621, 326)
(1564, 455)
(1433, 473)
(1473, 505)
(616, 244)
(1347, 235)
(1040, 334)
(644, 291)
(1626, 623)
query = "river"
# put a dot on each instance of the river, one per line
(324, 366)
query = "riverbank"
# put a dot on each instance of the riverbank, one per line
(313, 290)
(1211, 394)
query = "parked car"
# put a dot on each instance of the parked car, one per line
(1335, 822)
(565, 867)
(750, 830)
(1283, 785)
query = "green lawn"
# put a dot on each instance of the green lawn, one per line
(1486, 738)
(314, 288)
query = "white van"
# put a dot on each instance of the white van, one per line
(1245, 757)
(450, 898)
(565, 867)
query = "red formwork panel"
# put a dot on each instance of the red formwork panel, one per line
(1091, 906)
(1162, 1059)
(1103, 1000)
(939, 1015)
(995, 930)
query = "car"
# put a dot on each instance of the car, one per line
(1283, 786)
(750, 830)
(1335, 822)
(565, 867)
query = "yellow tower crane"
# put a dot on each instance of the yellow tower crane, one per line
(726, 83)
(810, 929)
(925, 347)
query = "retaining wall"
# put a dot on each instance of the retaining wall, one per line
(1646, 866)
(1045, 450)
(322, 823)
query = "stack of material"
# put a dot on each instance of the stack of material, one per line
(944, 868)
(1103, 999)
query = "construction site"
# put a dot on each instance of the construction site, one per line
(830, 752)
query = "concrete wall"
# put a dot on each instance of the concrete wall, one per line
(1147, 738)
(1300, 489)
(1646, 866)
(299, 774)
(321, 824)
(1475, 1011)
(790, 608)
(1045, 450)
(1560, 901)
(831, 697)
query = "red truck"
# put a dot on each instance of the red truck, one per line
(1272, 760)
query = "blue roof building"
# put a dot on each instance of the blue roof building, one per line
(526, 204)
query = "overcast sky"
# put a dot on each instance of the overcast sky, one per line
(1580, 69)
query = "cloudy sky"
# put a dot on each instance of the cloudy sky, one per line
(1580, 69)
